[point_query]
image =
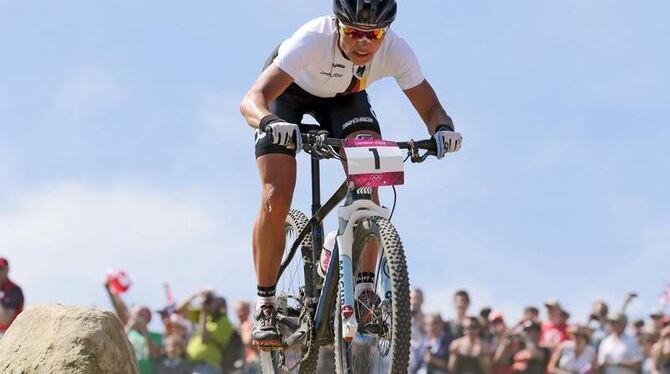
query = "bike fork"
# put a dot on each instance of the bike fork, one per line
(349, 216)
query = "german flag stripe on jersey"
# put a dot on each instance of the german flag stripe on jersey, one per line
(357, 84)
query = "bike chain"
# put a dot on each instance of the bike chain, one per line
(306, 317)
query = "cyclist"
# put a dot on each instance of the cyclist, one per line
(323, 70)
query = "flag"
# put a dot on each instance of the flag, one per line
(118, 281)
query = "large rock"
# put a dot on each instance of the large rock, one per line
(54, 339)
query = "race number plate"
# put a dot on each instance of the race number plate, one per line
(374, 162)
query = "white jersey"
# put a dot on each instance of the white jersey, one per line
(312, 57)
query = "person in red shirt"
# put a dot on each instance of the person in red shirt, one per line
(11, 297)
(555, 330)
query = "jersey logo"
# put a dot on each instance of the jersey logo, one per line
(360, 72)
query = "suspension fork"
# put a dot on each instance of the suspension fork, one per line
(348, 217)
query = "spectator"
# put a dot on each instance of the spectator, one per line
(469, 354)
(497, 330)
(554, 331)
(656, 316)
(574, 356)
(173, 322)
(417, 325)
(661, 349)
(11, 298)
(147, 344)
(532, 358)
(175, 360)
(636, 328)
(599, 311)
(432, 353)
(251, 358)
(212, 334)
(530, 313)
(598, 322)
(180, 327)
(233, 354)
(485, 327)
(508, 345)
(461, 304)
(647, 339)
(619, 353)
(416, 308)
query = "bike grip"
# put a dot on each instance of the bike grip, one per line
(427, 144)
(310, 138)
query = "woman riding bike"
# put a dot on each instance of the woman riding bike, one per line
(323, 70)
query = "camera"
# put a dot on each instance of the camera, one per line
(209, 297)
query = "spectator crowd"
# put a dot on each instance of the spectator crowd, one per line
(489, 342)
(199, 337)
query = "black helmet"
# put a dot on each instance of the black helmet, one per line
(365, 13)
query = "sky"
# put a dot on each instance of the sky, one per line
(122, 146)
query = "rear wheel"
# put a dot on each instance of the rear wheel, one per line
(381, 345)
(293, 315)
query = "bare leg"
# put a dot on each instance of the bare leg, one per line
(278, 174)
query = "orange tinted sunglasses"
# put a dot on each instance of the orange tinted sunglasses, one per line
(355, 33)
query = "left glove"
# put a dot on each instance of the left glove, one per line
(282, 133)
(447, 141)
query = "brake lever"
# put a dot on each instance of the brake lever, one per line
(419, 158)
(414, 154)
(422, 158)
(318, 146)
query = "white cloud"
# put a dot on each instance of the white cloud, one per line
(62, 237)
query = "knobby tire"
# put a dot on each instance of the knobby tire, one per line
(389, 246)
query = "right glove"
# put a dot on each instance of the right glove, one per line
(281, 132)
(447, 141)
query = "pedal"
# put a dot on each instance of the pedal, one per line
(295, 338)
(290, 322)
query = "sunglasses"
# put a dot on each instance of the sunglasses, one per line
(354, 33)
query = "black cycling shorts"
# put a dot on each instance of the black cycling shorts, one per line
(339, 115)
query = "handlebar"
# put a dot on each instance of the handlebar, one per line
(319, 144)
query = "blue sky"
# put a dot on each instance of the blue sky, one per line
(122, 146)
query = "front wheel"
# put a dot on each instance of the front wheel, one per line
(382, 344)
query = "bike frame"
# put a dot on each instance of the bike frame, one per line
(355, 210)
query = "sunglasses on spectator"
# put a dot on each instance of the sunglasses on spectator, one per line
(355, 33)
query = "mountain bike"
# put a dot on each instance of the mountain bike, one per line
(314, 311)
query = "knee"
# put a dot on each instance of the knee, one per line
(276, 201)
